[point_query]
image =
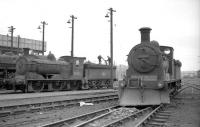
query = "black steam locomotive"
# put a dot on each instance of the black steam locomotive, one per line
(7, 69)
(45, 73)
(153, 74)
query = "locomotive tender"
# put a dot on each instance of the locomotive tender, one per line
(152, 75)
(45, 73)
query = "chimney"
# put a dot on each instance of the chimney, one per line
(145, 34)
(26, 51)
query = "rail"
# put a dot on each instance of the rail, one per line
(20, 109)
(148, 117)
(113, 122)
(84, 116)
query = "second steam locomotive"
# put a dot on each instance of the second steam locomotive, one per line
(153, 74)
(7, 69)
(45, 73)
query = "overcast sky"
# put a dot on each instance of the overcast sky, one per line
(174, 23)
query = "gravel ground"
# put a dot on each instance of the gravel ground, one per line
(40, 118)
(116, 115)
(187, 111)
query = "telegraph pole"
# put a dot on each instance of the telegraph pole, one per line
(11, 30)
(72, 39)
(43, 32)
(18, 41)
(111, 41)
(72, 35)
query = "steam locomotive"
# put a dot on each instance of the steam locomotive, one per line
(152, 75)
(7, 69)
(36, 73)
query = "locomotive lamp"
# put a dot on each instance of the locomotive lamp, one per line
(111, 41)
(160, 85)
(43, 31)
(122, 83)
(72, 38)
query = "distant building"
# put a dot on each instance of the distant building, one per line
(20, 43)
(189, 73)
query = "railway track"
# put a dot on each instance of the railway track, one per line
(76, 120)
(118, 117)
(35, 115)
(114, 116)
(193, 87)
(157, 117)
(34, 98)
(40, 118)
(110, 117)
(35, 107)
(191, 83)
(195, 82)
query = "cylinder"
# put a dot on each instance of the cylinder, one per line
(145, 34)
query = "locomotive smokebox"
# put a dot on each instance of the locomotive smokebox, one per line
(145, 34)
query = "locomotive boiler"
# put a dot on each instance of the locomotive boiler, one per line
(152, 75)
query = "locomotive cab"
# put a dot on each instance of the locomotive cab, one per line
(76, 64)
(167, 53)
